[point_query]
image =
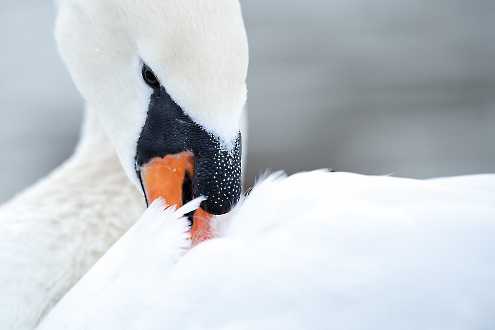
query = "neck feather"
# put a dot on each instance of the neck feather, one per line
(59, 227)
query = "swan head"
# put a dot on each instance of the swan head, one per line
(167, 80)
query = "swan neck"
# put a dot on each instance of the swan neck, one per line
(93, 138)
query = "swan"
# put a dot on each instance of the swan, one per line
(165, 81)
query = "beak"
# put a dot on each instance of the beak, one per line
(170, 178)
(178, 160)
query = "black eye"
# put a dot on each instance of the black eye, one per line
(150, 78)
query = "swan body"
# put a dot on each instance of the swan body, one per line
(358, 252)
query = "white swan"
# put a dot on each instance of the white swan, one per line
(307, 252)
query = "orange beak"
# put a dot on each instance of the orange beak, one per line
(170, 178)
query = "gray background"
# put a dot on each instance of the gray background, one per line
(374, 86)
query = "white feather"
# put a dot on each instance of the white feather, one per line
(313, 251)
(51, 234)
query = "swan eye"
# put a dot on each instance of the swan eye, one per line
(150, 78)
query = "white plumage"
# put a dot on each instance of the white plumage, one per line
(51, 234)
(317, 250)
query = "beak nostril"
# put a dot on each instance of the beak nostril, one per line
(187, 191)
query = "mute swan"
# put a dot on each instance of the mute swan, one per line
(166, 81)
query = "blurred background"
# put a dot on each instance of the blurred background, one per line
(403, 87)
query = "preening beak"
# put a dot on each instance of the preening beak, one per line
(179, 160)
